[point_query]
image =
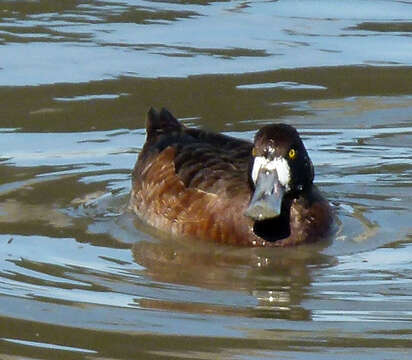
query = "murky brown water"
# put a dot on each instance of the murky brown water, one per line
(80, 277)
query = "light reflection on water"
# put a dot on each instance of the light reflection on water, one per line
(152, 39)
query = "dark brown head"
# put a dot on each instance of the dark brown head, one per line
(281, 165)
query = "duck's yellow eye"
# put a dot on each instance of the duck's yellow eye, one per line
(292, 154)
(254, 152)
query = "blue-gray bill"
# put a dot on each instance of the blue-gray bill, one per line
(267, 198)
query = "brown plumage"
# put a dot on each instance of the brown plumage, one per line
(194, 183)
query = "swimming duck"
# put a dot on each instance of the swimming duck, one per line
(194, 183)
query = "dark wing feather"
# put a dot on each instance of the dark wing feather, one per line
(210, 162)
(214, 163)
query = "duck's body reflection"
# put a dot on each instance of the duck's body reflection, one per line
(277, 281)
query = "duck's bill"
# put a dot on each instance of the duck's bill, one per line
(267, 198)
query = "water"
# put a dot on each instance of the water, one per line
(81, 277)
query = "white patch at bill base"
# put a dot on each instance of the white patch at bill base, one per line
(279, 164)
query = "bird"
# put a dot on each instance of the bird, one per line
(197, 184)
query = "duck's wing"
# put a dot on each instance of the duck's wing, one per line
(203, 160)
(215, 168)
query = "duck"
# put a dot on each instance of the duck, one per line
(193, 183)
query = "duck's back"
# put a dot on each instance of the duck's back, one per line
(185, 179)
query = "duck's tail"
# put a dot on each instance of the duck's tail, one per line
(162, 122)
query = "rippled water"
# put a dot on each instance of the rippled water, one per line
(81, 277)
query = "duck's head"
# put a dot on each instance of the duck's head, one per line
(281, 166)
